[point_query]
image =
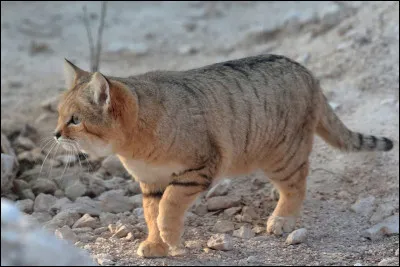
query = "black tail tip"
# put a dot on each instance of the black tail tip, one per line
(388, 144)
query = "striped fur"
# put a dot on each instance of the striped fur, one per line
(199, 125)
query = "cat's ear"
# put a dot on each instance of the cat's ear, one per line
(100, 89)
(71, 73)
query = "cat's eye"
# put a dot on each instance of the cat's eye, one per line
(75, 120)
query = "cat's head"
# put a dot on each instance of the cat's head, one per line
(86, 120)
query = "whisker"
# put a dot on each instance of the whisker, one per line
(52, 146)
(77, 154)
(48, 142)
(65, 168)
(86, 158)
(55, 154)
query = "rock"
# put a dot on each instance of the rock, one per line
(219, 189)
(222, 202)
(358, 264)
(139, 213)
(389, 226)
(364, 206)
(94, 185)
(68, 178)
(86, 221)
(41, 217)
(232, 211)
(83, 205)
(59, 193)
(8, 171)
(75, 190)
(25, 244)
(389, 262)
(383, 211)
(30, 175)
(121, 231)
(67, 159)
(29, 131)
(107, 218)
(249, 212)
(87, 237)
(28, 159)
(20, 185)
(194, 244)
(220, 242)
(296, 237)
(344, 195)
(258, 229)
(113, 166)
(134, 187)
(252, 259)
(100, 230)
(223, 226)
(24, 143)
(65, 217)
(200, 209)
(244, 232)
(50, 104)
(6, 147)
(59, 204)
(44, 186)
(104, 259)
(25, 205)
(115, 183)
(66, 233)
(397, 252)
(44, 202)
(115, 201)
(137, 200)
(130, 237)
(112, 228)
(27, 194)
(82, 230)
(10, 128)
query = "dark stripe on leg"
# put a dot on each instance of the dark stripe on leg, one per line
(292, 173)
(189, 170)
(188, 184)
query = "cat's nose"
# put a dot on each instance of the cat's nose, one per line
(57, 134)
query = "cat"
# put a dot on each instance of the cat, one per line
(178, 132)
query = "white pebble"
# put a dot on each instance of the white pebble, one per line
(296, 237)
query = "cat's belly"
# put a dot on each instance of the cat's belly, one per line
(151, 173)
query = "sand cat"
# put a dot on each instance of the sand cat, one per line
(177, 132)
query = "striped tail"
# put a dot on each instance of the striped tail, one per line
(335, 133)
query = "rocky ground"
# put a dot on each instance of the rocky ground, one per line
(351, 214)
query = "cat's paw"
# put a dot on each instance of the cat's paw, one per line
(149, 249)
(279, 225)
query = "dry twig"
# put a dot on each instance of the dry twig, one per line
(95, 51)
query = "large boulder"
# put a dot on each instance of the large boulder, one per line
(26, 244)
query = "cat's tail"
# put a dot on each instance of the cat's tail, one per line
(335, 133)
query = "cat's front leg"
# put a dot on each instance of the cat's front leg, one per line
(153, 246)
(177, 198)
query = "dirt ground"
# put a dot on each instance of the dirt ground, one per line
(352, 47)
